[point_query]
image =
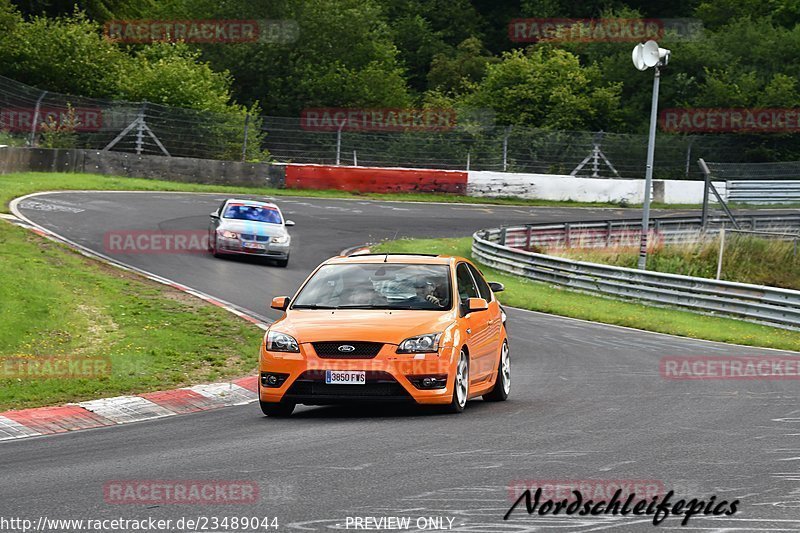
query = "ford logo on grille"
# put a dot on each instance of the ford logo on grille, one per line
(347, 348)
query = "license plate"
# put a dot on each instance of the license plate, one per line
(345, 377)
(254, 246)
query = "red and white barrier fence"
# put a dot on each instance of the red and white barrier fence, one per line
(491, 184)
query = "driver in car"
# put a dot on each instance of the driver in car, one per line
(424, 293)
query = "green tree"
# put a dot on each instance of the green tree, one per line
(547, 88)
(718, 13)
(418, 44)
(9, 18)
(343, 56)
(173, 75)
(456, 72)
(97, 10)
(64, 54)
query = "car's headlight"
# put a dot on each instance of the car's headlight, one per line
(230, 234)
(421, 344)
(280, 239)
(281, 342)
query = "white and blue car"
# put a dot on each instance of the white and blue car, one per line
(250, 227)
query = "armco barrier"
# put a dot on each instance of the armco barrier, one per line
(755, 303)
(763, 191)
(368, 179)
(665, 230)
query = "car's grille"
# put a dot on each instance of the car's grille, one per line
(334, 350)
(252, 237)
(367, 390)
(310, 388)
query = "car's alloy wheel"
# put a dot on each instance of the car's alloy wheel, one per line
(505, 369)
(460, 385)
(502, 385)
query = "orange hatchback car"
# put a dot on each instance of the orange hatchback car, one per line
(385, 327)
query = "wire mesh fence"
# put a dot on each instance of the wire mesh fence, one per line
(784, 170)
(32, 117)
(500, 148)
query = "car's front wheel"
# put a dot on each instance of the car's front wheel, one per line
(502, 385)
(214, 249)
(460, 385)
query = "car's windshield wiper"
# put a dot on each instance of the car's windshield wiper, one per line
(314, 306)
(362, 307)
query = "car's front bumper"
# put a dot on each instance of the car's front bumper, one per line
(388, 377)
(236, 246)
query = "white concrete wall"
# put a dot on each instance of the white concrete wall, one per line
(689, 192)
(562, 187)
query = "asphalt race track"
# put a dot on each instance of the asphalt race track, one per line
(587, 403)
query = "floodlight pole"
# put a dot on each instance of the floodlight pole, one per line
(648, 176)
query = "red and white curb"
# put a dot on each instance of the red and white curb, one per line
(125, 409)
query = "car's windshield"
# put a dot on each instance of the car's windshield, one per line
(377, 286)
(254, 213)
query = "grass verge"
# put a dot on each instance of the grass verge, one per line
(746, 259)
(537, 296)
(19, 184)
(55, 302)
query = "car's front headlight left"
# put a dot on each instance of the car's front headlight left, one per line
(230, 234)
(281, 342)
(280, 239)
(428, 343)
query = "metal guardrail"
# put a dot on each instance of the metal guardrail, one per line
(500, 248)
(763, 192)
(666, 230)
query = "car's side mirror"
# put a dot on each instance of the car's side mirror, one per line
(289, 223)
(476, 304)
(281, 303)
(214, 215)
(496, 286)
